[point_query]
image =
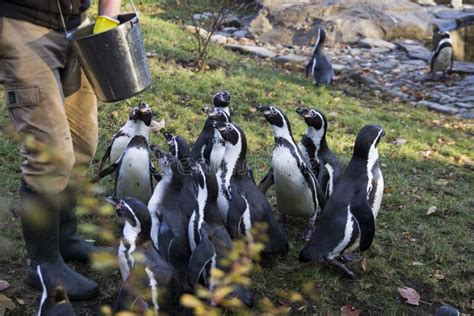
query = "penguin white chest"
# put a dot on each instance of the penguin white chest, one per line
(217, 153)
(294, 197)
(134, 175)
(443, 60)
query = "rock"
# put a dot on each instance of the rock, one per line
(260, 24)
(461, 17)
(202, 16)
(468, 80)
(463, 67)
(192, 29)
(232, 21)
(465, 105)
(372, 42)
(439, 107)
(467, 99)
(252, 50)
(229, 29)
(291, 58)
(467, 115)
(218, 39)
(415, 50)
(337, 68)
(296, 21)
(239, 34)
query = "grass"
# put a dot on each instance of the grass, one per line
(431, 253)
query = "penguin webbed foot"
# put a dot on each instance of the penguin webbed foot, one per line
(341, 266)
(351, 257)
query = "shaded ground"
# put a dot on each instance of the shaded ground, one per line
(434, 167)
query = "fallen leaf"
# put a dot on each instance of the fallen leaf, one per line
(114, 114)
(349, 310)
(442, 182)
(20, 301)
(411, 295)
(417, 263)
(363, 263)
(399, 142)
(438, 276)
(6, 302)
(157, 126)
(408, 236)
(4, 285)
(431, 210)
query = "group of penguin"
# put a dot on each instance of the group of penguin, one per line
(177, 224)
(322, 72)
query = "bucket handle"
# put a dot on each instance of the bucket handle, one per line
(64, 23)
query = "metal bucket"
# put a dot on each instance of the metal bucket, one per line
(114, 61)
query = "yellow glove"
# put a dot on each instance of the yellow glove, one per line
(104, 23)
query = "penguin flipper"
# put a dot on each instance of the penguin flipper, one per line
(129, 298)
(106, 155)
(199, 259)
(105, 172)
(165, 240)
(308, 67)
(266, 182)
(363, 213)
(237, 207)
(323, 179)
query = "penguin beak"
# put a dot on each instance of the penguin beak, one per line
(158, 153)
(144, 108)
(219, 126)
(206, 109)
(264, 109)
(119, 208)
(168, 136)
(303, 112)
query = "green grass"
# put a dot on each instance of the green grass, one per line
(433, 168)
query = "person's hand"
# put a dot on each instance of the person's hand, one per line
(104, 23)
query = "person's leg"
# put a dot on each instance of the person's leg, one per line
(30, 59)
(81, 110)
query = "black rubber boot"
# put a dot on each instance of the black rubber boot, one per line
(40, 224)
(72, 246)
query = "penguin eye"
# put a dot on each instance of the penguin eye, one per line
(313, 113)
(229, 128)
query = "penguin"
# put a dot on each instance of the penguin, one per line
(235, 186)
(447, 310)
(297, 189)
(134, 171)
(54, 300)
(179, 148)
(170, 218)
(139, 123)
(442, 57)
(209, 146)
(348, 219)
(177, 145)
(316, 152)
(319, 66)
(221, 100)
(150, 283)
(207, 218)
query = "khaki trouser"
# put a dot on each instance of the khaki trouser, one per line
(48, 97)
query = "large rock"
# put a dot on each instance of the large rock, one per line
(294, 22)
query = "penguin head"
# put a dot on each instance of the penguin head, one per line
(313, 118)
(443, 35)
(368, 140)
(169, 163)
(197, 171)
(144, 113)
(135, 219)
(219, 115)
(177, 145)
(54, 300)
(230, 132)
(278, 120)
(320, 39)
(221, 99)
